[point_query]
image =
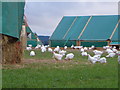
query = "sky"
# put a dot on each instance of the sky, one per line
(43, 17)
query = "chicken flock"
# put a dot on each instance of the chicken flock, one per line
(58, 53)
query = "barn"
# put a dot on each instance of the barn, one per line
(44, 39)
(97, 30)
(32, 38)
(11, 20)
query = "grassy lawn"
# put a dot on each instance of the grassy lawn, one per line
(77, 73)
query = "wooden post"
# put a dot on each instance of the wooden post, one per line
(23, 37)
(78, 43)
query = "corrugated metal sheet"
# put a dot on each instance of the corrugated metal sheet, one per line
(28, 30)
(12, 18)
(116, 36)
(77, 28)
(65, 32)
(62, 28)
(100, 28)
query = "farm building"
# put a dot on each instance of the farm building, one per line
(100, 30)
(44, 39)
(11, 20)
(116, 38)
(32, 38)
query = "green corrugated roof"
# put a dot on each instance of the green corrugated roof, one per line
(77, 28)
(33, 39)
(28, 30)
(115, 36)
(62, 28)
(12, 18)
(99, 28)
(69, 28)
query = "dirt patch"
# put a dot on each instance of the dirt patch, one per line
(26, 62)
(12, 66)
(29, 61)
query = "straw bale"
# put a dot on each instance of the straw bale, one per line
(11, 50)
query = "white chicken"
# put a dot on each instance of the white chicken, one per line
(28, 48)
(92, 59)
(43, 49)
(96, 52)
(50, 50)
(38, 46)
(82, 50)
(69, 56)
(103, 60)
(78, 47)
(111, 55)
(57, 56)
(114, 47)
(109, 51)
(104, 47)
(65, 47)
(46, 46)
(30, 45)
(114, 50)
(57, 49)
(72, 46)
(118, 52)
(84, 54)
(32, 53)
(107, 47)
(62, 52)
(85, 48)
(92, 46)
(97, 57)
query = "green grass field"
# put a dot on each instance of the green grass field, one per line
(48, 73)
